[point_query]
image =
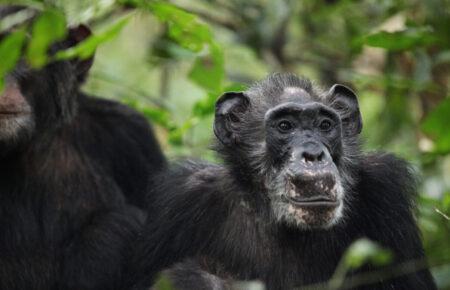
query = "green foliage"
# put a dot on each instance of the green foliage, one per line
(208, 71)
(10, 49)
(363, 251)
(47, 29)
(87, 48)
(184, 27)
(163, 284)
(437, 125)
(401, 40)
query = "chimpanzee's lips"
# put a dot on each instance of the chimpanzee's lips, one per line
(9, 113)
(315, 201)
(12, 113)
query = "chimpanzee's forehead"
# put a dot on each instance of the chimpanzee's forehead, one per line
(282, 88)
(294, 94)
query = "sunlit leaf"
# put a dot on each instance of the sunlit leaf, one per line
(156, 115)
(86, 48)
(205, 106)
(159, 116)
(10, 51)
(437, 126)
(184, 27)
(47, 29)
(446, 202)
(363, 251)
(176, 136)
(163, 283)
(208, 71)
(401, 40)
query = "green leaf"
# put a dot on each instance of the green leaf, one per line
(10, 51)
(163, 283)
(446, 201)
(86, 48)
(235, 87)
(363, 251)
(401, 40)
(205, 106)
(47, 29)
(184, 27)
(159, 116)
(176, 135)
(208, 71)
(436, 125)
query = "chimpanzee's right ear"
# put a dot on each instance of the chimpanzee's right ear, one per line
(76, 35)
(230, 108)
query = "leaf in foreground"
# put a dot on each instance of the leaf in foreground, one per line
(86, 48)
(10, 51)
(47, 29)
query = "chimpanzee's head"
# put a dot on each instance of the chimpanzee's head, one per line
(36, 101)
(294, 144)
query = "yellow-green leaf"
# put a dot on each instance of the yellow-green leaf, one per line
(10, 51)
(47, 29)
(86, 48)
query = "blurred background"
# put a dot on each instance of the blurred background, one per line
(171, 60)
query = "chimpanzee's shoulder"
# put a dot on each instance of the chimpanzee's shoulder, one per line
(195, 175)
(386, 178)
(110, 109)
(387, 166)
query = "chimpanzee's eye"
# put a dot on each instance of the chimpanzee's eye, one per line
(325, 125)
(285, 126)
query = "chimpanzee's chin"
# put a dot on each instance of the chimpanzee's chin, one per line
(317, 213)
(317, 216)
(15, 131)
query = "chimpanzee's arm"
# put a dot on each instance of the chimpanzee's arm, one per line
(386, 204)
(94, 257)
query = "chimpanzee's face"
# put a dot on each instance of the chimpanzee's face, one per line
(295, 140)
(303, 142)
(17, 120)
(36, 101)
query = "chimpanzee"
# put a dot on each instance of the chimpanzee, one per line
(294, 192)
(73, 169)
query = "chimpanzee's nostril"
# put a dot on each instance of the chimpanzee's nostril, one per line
(308, 157)
(321, 156)
(313, 157)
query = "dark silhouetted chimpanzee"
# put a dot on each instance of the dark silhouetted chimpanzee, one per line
(73, 168)
(293, 193)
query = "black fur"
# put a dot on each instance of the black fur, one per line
(70, 185)
(221, 213)
(190, 275)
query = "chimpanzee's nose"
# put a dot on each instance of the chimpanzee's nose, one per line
(313, 152)
(310, 156)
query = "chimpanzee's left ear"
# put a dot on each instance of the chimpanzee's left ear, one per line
(345, 101)
(76, 35)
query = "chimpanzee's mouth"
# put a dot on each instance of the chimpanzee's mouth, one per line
(9, 114)
(315, 201)
(318, 191)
